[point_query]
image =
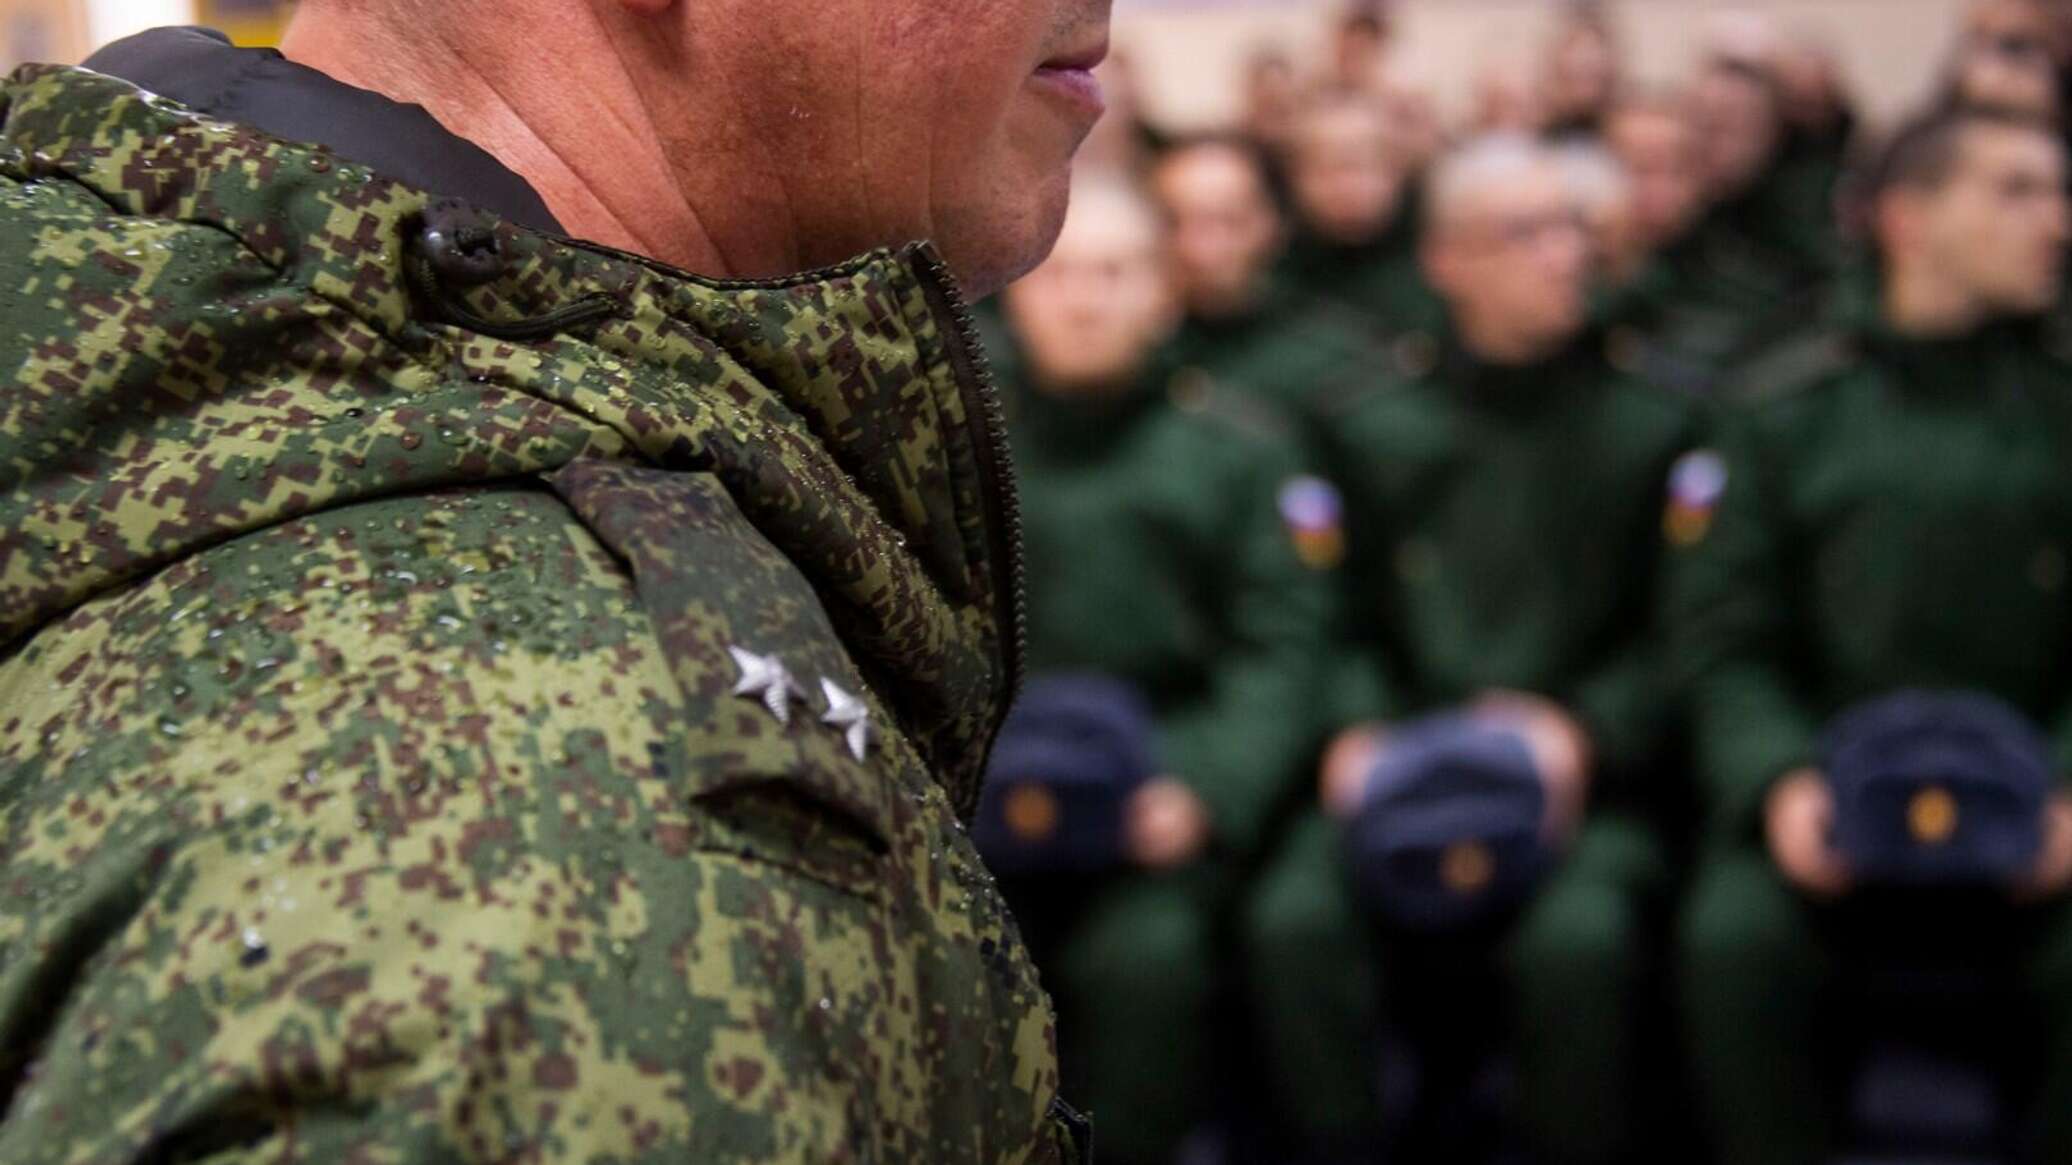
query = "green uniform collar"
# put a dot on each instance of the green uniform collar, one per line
(1520, 390)
(1053, 427)
(1952, 365)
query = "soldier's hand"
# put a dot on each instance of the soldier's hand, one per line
(1799, 820)
(1342, 780)
(1167, 824)
(1561, 751)
(2052, 874)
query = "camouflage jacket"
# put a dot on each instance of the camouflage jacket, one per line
(470, 695)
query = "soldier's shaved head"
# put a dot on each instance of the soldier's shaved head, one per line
(736, 137)
(1970, 215)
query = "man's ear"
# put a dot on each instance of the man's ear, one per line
(1436, 259)
(1896, 219)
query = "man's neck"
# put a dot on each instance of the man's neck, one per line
(1922, 306)
(1237, 305)
(1502, 347)
(598, 164)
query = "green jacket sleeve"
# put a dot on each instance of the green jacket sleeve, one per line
(1256, 727)
(1732, 630)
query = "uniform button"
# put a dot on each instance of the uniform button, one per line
(2047, 569)
(461, 244)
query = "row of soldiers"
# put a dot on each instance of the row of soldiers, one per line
(1657, 483)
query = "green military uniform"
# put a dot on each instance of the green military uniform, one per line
(1158, 555)
(1288, 351)
(472, 696)
(1803, 188)
(1749, 268)
(1379, 282)
(1503, 529)
(1898, 515)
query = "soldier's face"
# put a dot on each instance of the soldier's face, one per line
(1226, 231)
(1582, 73)
(1347, 182)
(1089, 318)
(1515, 258)
(1507, 100)
(875, 122)
(1660, 154)
(1739, 127)
(1999, 225)
(2008, 59)
(1809, 79)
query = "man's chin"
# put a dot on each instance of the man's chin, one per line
(1006, 241)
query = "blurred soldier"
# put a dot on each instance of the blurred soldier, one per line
(1657, 311)
(1897, 513)
(1749, 260)
(1508, 97)
(1273, 95)
(1603, 195)
(1820, 125)
(1496, 568)
(1657, 146)
(470, 689)
(1816, 94)
(2007, 60)
(1582, 73)
(1159, 555)
(1739, 111)
(1355, 235)
(1416, 132)
(1245, 330)
(1360, 48)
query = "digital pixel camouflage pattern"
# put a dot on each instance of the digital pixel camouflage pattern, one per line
(373, 780)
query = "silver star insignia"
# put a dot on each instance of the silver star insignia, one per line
(765, 678)
(849, 714)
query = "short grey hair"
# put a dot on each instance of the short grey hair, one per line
(1492, 161)
(1595, 177)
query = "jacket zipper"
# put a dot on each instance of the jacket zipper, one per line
(974, 374)
(996, 465)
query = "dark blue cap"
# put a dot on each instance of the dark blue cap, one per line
(1449, 833)
(1073, 750)
(1937, 789)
